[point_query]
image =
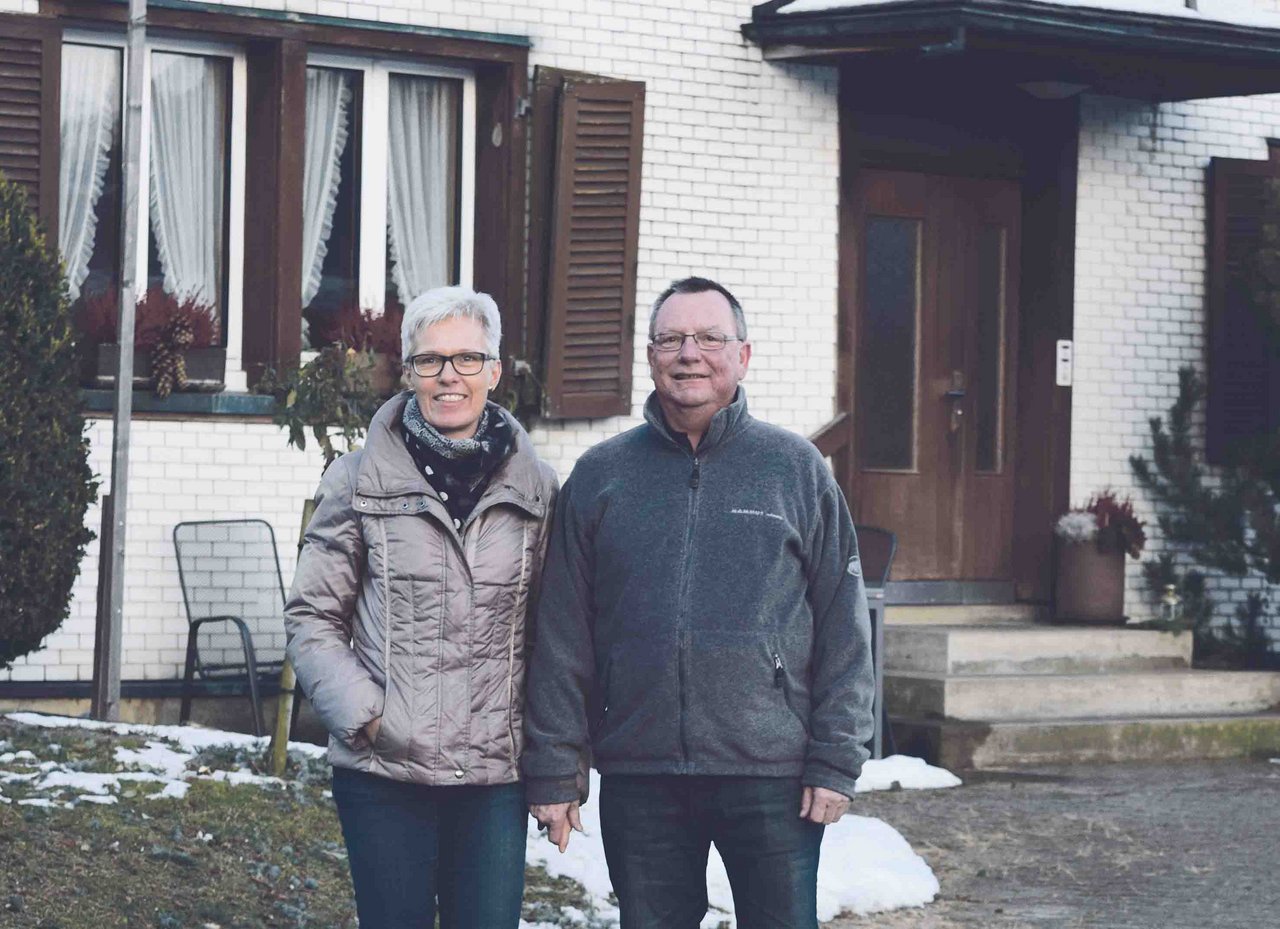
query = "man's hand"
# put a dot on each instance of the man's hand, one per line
(560, 819)
(371, 729)
(819, 805)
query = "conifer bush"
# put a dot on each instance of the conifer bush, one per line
(45, 481)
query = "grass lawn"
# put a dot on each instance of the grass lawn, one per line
(224, 855)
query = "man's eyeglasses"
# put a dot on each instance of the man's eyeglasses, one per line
(707, 341)
(465, 363)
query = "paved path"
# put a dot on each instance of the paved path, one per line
(1133, 846)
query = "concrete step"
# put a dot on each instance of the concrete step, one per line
(1039, 649)
(968, 745)
(1009, 697)
(963, 614)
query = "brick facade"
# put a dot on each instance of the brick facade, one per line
(739, 182)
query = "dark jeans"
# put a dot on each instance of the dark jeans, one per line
(658, 831)
(409, 845)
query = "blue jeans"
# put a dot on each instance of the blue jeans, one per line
(409, 845)
(658, 831)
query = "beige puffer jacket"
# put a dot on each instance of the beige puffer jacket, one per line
(393, 613)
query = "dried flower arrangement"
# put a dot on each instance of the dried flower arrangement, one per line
(1106, 520)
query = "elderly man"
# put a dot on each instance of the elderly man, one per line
(703, 628)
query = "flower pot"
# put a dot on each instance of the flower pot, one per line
(206, 368)
(1090, 584)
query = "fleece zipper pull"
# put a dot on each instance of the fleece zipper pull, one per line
(695, 476)
(777, 671)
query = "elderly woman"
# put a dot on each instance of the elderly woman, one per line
(406, 628)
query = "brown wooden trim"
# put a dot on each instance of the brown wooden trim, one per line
(332, 32)
(41, 172)
(273, 205)
(501, 140)
(1042, 456)
(834, 436)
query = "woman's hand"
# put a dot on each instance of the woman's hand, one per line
(559, 819)
(371, 729)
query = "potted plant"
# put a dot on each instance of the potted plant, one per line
(375, 335)
(1092, 544)
(176, 343)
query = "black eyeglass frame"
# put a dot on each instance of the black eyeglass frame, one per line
(719, 341)
(412, 363)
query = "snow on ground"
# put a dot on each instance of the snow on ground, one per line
(166, 760)
(866, 865)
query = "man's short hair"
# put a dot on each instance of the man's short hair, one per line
(699, 285)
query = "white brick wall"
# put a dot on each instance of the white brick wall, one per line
(1140, 279)
(739, 182)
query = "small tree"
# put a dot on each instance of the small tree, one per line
(45, 481)
(1232, 528)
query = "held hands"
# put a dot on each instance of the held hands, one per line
(559, 819)
(820, 805)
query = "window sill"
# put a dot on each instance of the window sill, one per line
(224, 403)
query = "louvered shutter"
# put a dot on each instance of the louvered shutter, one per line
(594, 226)
(1244, 352)
(29, 90)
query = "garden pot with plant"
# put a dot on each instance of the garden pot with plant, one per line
(1092, 544)
(375, 335)
(175, 342)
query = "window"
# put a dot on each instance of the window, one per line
(1244, 324)
(375, 126)
(191, 202)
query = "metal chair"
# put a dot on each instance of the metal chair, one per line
(876, 548)
(234, 596)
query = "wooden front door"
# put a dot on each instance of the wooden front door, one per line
(935, 334)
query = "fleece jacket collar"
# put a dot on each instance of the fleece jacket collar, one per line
(726, 422)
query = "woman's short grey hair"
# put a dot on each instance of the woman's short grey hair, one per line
(443, 303)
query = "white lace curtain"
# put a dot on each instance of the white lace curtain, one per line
(328, 125)
(188, 172)
(421, 187)
(90, 121)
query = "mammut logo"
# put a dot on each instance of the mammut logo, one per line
(855, 566)
(737, 511)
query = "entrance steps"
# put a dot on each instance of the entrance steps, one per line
(966, 692)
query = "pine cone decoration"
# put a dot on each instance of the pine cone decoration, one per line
(168, 360)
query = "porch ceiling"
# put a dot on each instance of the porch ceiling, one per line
(1152, 50)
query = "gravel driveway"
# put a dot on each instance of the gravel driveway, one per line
(1126, 846)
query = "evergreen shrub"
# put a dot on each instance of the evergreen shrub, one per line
(45, 481)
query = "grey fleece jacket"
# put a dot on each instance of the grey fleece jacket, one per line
(700, 614)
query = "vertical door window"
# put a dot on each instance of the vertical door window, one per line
(990, 329)
(330, 203)
(888, 327)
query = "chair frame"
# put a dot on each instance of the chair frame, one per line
(876, 606)
(193, 664)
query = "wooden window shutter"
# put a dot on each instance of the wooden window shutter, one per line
(590, 212)
(30, 87)
(1244, 350)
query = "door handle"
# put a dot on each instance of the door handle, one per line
(955, 393)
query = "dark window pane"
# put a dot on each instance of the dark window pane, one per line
(89, 185)
(331, 206)
(887, 336)
(423, 185)
(189, 191)
(989, 369)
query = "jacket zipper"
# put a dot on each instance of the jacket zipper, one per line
(695, 479)
(779, 675)
(511, 644)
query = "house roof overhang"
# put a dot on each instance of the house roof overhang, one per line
(1050, 49)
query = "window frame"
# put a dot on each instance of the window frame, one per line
(375, 102)
(235, 377)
